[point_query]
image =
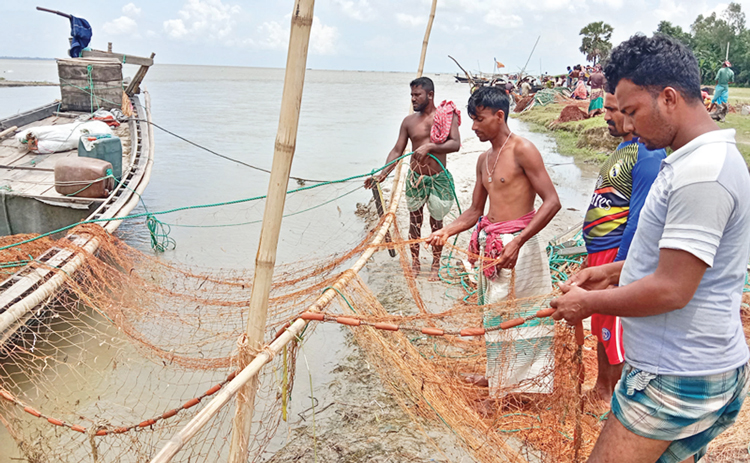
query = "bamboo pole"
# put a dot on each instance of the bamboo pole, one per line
(265, 260)
(202, 418)
(250, 372)
(426, 40)
(8, 131)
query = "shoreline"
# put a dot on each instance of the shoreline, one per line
(587, 140)
(24, 83)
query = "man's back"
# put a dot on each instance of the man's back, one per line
(626, 175)
(597, 81)
(724, 76)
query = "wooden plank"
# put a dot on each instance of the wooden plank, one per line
(24, 284)
(125, 59)
(135, 84)
(31, 183)
(29, 116)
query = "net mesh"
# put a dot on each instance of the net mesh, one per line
(118, 360)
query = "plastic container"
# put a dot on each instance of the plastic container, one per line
(83, 177)
(105, 147)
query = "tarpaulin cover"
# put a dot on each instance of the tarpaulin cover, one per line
(80, 30)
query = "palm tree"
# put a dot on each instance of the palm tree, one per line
(595, 44)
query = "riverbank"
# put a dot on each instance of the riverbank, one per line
(588, 140)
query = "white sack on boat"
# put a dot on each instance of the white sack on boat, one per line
(55, 138)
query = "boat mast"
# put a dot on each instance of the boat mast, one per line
(520, 76)
(265, 260)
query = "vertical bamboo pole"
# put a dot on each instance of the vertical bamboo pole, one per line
(426, 39)
(265, 260)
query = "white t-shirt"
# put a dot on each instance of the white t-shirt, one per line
(699, 203)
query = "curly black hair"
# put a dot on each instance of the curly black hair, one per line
(489, 97)
(655, 63)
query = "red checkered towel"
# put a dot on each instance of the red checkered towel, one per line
(441, 124)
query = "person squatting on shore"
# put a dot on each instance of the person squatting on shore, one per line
(432, 131)
(608, 228)
(511, 174)
(685, 375)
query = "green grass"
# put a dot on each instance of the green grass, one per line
(739, 95)
(741, 124)
(569, 134)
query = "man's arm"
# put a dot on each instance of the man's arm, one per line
(696, 218)
(669, 288)
(450, 145)
(398, 150)
(644, 173)
(531, 162)
(469, 217)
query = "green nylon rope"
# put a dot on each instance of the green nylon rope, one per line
(198, 206)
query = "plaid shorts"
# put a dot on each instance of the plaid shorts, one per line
(690, 411)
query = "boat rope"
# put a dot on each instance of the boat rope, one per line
(199, 206)
(301, 180)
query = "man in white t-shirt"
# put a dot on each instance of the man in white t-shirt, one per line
(680, 288)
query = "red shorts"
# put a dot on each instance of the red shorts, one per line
(607, 328)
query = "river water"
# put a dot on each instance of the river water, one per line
(349, 121)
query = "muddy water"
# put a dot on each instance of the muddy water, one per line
(349, 122)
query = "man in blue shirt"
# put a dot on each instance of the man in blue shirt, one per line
(611, 220)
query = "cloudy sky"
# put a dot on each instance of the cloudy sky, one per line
(381, 35)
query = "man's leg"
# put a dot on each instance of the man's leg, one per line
(436, 251)
(415, 227)
(607, 376)
(617, 444)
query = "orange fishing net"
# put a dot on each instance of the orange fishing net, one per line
(113, 365)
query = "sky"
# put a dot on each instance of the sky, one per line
(370, 35)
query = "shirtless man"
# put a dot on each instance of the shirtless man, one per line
(511, 174)
(427, 182)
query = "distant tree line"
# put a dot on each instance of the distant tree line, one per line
(708, 37)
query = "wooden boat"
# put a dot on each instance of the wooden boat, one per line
(30, 203)
(465, 80)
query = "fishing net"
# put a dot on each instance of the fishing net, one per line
(117, 361)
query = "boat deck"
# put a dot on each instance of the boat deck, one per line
(32, 175)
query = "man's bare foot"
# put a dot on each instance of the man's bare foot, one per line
(416, 267)
(435, 272)
(477, 380)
